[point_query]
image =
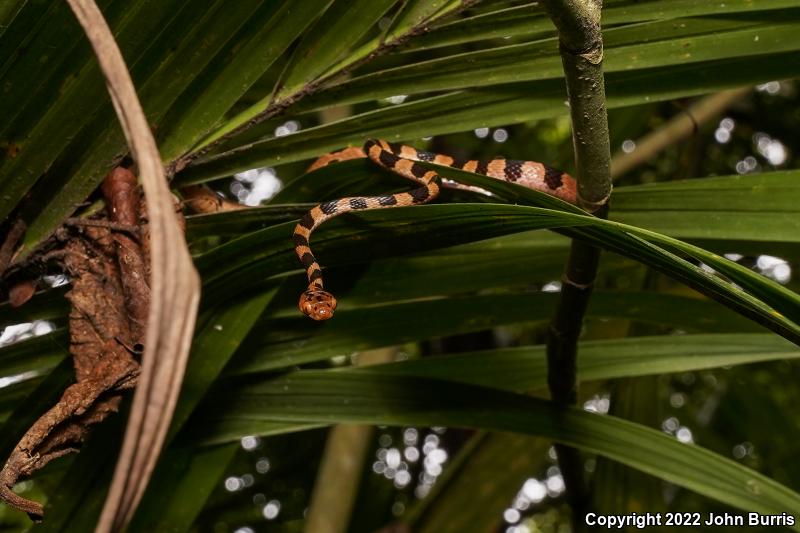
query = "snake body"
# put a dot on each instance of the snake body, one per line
(319, 304)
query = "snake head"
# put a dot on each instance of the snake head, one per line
(317, 304)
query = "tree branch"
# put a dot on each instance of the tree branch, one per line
(578, 24)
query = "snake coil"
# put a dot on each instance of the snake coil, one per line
(319, 304)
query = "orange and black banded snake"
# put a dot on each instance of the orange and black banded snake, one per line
(401, 159)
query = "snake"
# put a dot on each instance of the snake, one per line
(403, 160)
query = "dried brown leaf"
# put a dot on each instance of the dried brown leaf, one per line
(175, 288)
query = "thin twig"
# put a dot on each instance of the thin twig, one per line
(107, 224)
(578, 24)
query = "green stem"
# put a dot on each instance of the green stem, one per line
(578, 24)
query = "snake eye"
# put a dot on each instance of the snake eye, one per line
(317, 304)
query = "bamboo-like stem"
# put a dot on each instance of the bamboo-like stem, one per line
(676, 129)
(336, 487)
(339, 476)
(581, 44)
